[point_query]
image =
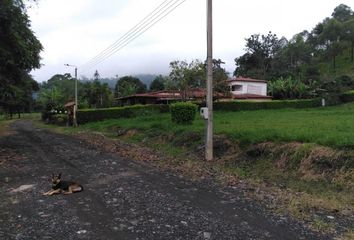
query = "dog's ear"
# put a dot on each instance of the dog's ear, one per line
(59, 176)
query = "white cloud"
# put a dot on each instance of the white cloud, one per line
(75, 31)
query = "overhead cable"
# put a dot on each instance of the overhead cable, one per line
(145, 24)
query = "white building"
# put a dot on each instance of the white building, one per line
(248, 88)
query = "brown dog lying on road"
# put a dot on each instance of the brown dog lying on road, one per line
(64, 187)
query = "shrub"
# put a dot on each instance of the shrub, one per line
(288, 88)
(60, 119)
(276, 104)
(49, 114)
(337, 85)
(94, 115)
(183, 112)
(347, 97)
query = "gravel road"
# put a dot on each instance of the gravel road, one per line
(123, 199)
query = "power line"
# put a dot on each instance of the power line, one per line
(144, 25)
(127, 33)
(130, 37)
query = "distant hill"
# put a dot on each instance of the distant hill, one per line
(145, 78)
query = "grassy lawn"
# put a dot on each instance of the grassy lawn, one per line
(330, 126)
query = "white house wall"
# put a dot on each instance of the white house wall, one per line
(250, 88)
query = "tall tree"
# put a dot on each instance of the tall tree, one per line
(63, 88)
(260, 51)
(349, 36)
(219, 76)
(342, 13)
(96, 76)
(129, 85)
(187, 75)
(331, 37)
(291, 58)
(19, 54)
(98, 94)
(158, 83)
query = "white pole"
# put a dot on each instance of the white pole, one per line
(76, 103)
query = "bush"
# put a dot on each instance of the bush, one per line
(288, 88)
(60, 119)
(183, 112)
(94, 115)
(49, 114)
(338, 85)
(276, 104)
(347, 97)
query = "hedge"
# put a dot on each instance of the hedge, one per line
(94, 115)
(275, 104)
(347, 97)
(183, 112)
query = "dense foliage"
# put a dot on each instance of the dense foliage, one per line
(276, 104)
(19, 54)
(60, 89)
(185, 76)
(129, 85)
(288, 89)
(158, 83)
(183, 112)
(310, 59)
(94, 115)
(347, 97)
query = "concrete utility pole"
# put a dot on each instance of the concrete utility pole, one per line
(209, 137)
(76, 102)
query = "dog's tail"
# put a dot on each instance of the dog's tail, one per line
(82, 188)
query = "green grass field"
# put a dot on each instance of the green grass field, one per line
(330, 126)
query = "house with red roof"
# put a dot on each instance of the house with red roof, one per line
(166, 97)
(243, 88)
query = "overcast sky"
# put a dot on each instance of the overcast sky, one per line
(76, 31)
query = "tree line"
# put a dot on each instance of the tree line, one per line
(307, 64)
(310, 64)
(92, 93)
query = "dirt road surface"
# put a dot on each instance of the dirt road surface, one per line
(122, 199)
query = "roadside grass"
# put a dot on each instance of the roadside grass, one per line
(5, 127)
(349, 235)
(4, 117)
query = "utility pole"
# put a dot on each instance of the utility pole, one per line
(76, 102)
(76, 107)
(209, 137)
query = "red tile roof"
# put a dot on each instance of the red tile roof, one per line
(69, 104)
(193, 93)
